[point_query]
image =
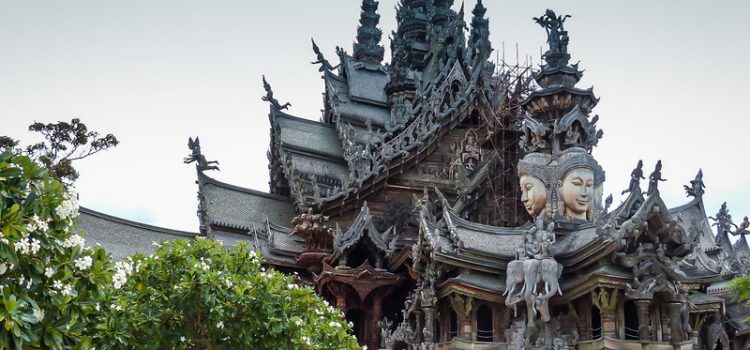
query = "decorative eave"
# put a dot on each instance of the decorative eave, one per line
(363, 226)
(558, 98)
(363, 279)
(475, 285)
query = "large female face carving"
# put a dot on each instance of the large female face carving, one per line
(577, 192)
(533, 194)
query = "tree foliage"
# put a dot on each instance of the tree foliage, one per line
(49, 282)
(63, 144)
(201, 295)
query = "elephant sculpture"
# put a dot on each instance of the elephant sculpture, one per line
(540, 279)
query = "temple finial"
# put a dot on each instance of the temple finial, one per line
(557, 38)
(368, 48)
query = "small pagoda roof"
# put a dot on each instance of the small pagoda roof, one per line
(359, 96)
(476, 284)
(241, 209)
(121, 237)
(305, 135)
(692, 217)
(367, 81)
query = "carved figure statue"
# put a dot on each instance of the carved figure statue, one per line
(577, 189)
(635, 178)
(269, 97)
(557, 37)
(470, 150)
(723, 219)
(654, 178)
(742, 229)
(196, 156)
(535, 266)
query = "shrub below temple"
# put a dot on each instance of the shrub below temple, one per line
(199, 294)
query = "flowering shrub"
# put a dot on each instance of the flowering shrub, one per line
(49, 282)
(202, 295)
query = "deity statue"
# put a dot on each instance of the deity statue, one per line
(533, 194)
(577, 191)
(533, 178)
(654, 178)
(578, 179)
(557, 36)
(635, 178)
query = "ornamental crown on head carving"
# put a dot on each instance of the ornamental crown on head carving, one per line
(574, 159)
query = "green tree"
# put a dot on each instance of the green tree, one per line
(63, 144)
(199, 294)
(49, 282)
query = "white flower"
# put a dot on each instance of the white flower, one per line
(57, 284)
(3, 268)
(38, 314)
(68, 208)
(123, 269)
(220, 325)
(73, 241)
(96, 307)
(49, 272)
(334, 324)
(204, 264)
(228, 283)
(306, 339)
(84, 263)
(298, 321)
(291, 286)
(115, 307)
(183, 339)
(23, 246)
(67, 290)
(35, 246)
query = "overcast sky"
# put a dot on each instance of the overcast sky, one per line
(671, 76)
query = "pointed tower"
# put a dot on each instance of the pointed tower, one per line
(410, 41)
(368, 48)
(479, 39)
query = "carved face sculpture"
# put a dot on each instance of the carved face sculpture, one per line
(533, 194)
(578, 192)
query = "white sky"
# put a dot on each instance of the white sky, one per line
(671, 76)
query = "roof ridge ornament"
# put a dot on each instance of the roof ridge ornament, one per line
(324, 64)
(201, 164)
(697, 188)
(269, 97)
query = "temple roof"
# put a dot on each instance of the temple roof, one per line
(121, 237)
(241, 209)
(305, 135)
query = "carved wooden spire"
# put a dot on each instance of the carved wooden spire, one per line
(368, 48)
(479, 40)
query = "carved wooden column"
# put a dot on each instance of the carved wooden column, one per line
(501, 323)
(463, 314)
(666, 321)
(606, 301)
(676, 325)
(644, 329)
(377, 315)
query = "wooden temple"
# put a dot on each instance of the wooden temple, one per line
(445, 202)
